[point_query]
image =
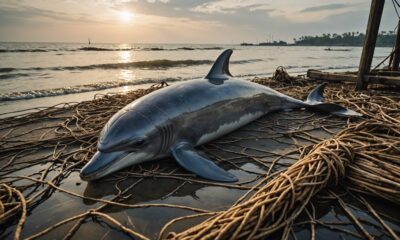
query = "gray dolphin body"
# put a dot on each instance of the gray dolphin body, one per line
(175, 119)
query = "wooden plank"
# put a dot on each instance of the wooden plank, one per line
(386, 80)
(335, 77)
(385, 73)
(371, 35)
(396, 55)
(338, 77)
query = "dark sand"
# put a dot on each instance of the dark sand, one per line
(250, 151)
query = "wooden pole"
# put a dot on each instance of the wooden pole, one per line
(371, 35)
(396, 56)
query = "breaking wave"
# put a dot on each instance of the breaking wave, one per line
(102, 49)
(78, 89)
(246, 61)
(153, 64)
(26, 50)
(302, 66)
(14, 75)
(180, 48)
(320, 67)
(109, 85)
(340, 67)
(7, 69)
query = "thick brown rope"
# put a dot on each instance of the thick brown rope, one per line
(279, 198)
(370, 150)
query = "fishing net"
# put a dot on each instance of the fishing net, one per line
(276, 204)
(42, 151)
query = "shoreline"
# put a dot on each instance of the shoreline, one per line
(42, 75)
(43, 102)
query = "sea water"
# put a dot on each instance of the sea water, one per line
(43, 74)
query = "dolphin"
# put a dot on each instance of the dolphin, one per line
(174, 120)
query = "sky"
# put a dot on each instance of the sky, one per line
(182, 21)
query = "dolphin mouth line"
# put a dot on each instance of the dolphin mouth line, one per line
(98, 174)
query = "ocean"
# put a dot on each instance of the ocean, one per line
(34, 75)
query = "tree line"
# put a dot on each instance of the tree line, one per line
(385, 39)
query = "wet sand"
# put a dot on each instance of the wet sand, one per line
(247, 153)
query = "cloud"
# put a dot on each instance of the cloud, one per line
(317, 13)
(184, 21)
(332, 6)
(22, 14)
(230, 6)
(153, 1)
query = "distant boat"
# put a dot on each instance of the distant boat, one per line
(338, 49)
(89, 41)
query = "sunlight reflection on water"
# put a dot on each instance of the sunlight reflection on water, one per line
(125, 56)
(126, 75)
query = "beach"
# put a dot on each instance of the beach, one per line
(52, 145)
(199, 120)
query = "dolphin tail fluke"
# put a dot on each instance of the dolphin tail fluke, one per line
(317, 94)
(315, 101)
(196, 163)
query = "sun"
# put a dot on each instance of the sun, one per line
(126, 16)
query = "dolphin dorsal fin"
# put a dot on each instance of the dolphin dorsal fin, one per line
(220, 69)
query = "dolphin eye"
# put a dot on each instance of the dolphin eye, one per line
(139, 143)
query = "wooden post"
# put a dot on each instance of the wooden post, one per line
(396, 55)
(371, 35)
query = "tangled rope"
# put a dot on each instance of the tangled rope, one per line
(280, 200)
(11, 202)
(376, 170)
(375, 145)
(364, 154)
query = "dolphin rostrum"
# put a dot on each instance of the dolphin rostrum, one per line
(175, 119)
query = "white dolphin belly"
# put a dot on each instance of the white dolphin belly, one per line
(229, 127)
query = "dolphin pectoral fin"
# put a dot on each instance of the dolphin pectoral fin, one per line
(195, 162)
